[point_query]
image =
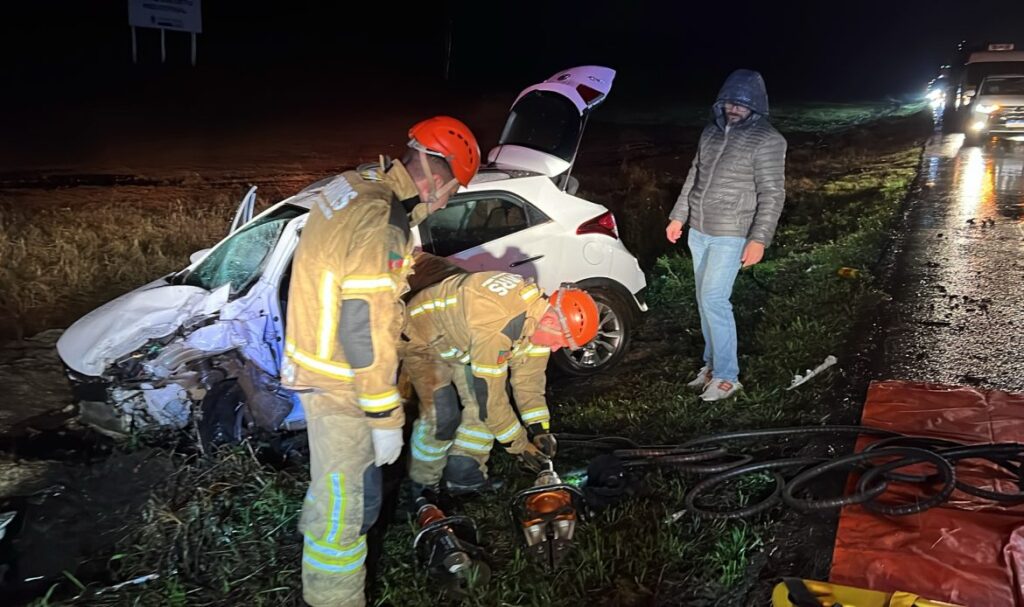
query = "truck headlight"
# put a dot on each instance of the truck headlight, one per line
(982, 108)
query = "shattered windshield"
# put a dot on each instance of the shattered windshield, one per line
(240, 259)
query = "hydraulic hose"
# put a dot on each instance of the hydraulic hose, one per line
(867, 492)
(879, 465)
(786, 432)
(711, 482)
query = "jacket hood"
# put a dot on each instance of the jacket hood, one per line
(746, 88)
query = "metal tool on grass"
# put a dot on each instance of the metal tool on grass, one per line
(547, 514)
(447, 546)
(801, 379)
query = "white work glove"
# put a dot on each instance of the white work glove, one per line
(387, 445)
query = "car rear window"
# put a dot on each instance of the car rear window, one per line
(545, 121)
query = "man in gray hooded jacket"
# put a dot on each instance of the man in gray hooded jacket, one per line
(732, 199)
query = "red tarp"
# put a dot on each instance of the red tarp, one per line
(968, 551)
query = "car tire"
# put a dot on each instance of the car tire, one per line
(221, 415)
(613, 338)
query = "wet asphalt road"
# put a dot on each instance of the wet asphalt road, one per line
(958, 310)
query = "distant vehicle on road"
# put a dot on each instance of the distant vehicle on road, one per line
(975, 62)
(938, 88)
(997, 108)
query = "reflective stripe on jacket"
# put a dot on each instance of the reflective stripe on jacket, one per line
(486, 320)
(349, 272)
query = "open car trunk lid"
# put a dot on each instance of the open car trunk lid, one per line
(547, 120)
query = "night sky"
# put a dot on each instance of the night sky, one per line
(58, 51)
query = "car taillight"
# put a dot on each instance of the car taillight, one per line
(602, 224)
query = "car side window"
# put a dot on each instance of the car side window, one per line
(469, 222)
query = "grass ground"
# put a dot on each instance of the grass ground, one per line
(55, 259)
(222, 530)
(63, 251)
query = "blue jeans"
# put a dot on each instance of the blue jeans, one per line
(716, 262)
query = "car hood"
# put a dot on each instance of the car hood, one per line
(125, 324)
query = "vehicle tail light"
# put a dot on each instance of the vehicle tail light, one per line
(602, 224)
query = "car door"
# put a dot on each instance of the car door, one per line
(243, 215)
(245, 210)
(494, 230)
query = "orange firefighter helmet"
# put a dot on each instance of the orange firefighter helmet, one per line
(450, 139)
(577, 313)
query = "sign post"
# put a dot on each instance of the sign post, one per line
(175, 15)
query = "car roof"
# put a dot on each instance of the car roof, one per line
(487, 174)
(995, 56)
(493, 178)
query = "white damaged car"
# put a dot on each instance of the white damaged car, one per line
(209, 338)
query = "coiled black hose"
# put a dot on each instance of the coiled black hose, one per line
(707, 484)
(879, 465)
(868, 492)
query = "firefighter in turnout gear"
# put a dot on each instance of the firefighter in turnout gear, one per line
(344, 319)
(468, 336)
